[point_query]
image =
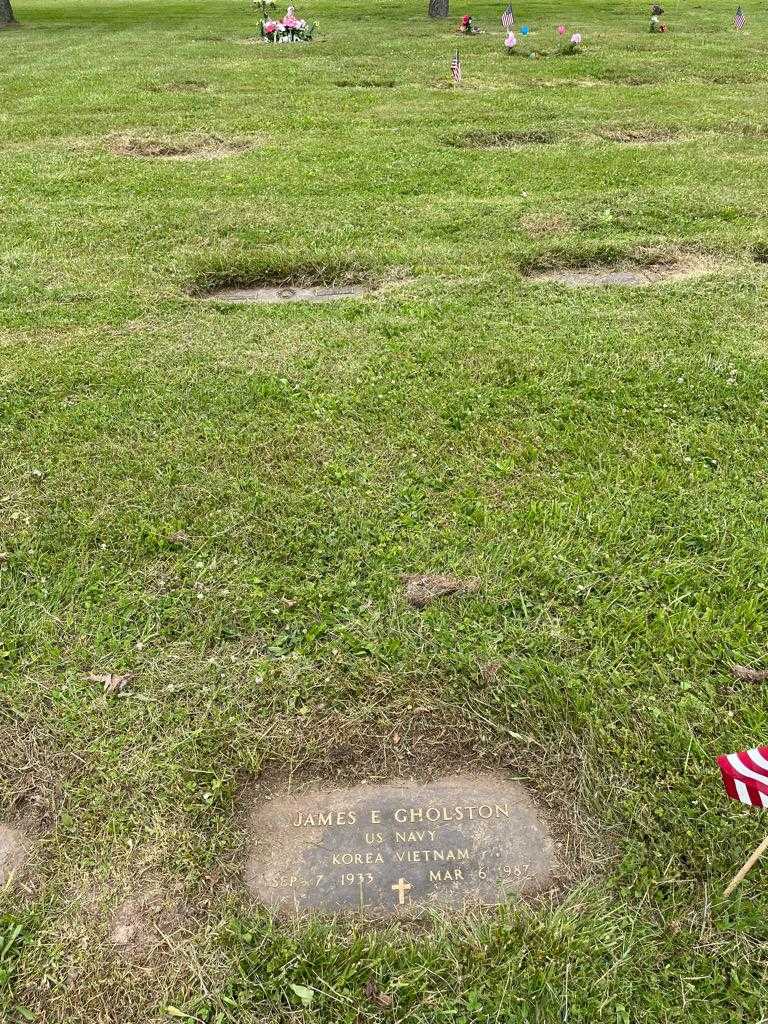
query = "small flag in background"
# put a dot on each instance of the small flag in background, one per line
(508, 18)
(456, 67)
(745, 776)
(739, 20)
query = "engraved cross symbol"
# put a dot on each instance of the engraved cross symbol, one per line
(401, 889)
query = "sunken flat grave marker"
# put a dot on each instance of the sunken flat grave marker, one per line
(398, 848)
(273, 294)
(627, 274)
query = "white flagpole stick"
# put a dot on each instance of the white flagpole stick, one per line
(744, 871)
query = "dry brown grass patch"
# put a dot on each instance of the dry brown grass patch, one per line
(196, 147)
(540, 225)
(505, 140)
(640, 136)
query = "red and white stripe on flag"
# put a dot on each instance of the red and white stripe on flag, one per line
(745, 776)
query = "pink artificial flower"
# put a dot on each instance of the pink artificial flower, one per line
(561, 30)
(290, 22)
(270, 26)
(510, 41)
(575, 38)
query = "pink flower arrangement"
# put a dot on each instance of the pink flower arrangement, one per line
(289, 29)
(576, 39)
(561, 30)
(511, 40)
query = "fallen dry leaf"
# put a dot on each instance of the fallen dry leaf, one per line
(749, 675)
(112, 682)
(380, 998)
(421, 590)
(180, 537)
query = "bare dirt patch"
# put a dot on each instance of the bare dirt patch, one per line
(628, 274)
(14, 851)
(198, 147)
(422, 590)
(505, 140)
(141, 925)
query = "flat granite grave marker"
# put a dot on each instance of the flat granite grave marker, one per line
(463, 840)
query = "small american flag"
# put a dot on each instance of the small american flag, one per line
(745, 776)
(508, 18)
(456, 67)
(739, 20)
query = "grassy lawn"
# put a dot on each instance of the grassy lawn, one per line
(224, 500)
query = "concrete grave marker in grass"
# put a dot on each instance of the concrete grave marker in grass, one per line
(398, 848)
(14, 851)
(626, 274)
(272, 294)
(270, 285)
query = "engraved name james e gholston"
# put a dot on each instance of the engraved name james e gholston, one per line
(395, 848)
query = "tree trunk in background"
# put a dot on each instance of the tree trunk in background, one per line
(437, 8)
(6, 12)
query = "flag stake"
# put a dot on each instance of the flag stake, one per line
(744, 871)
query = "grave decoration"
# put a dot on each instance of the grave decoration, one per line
(508, 19)
(456, 68)
(739, 19)
(511, 44)
(467, 26)
(657, 25)
(745, 777)
(288, 29)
